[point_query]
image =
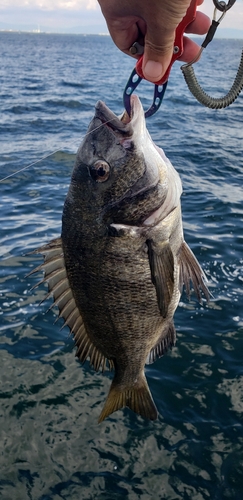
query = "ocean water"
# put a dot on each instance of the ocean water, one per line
(51, 447)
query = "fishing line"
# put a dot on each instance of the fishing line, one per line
(28, 166)
(50, 154)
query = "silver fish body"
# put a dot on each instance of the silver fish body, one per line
(118, 269)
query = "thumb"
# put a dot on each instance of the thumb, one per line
(158, 51)
(160, 35)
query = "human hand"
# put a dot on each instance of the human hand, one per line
(152, 24)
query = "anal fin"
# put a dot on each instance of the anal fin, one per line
(166, 342)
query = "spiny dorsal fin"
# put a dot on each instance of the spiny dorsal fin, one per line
(191, 271)
(161, 262)
(166, 342)
(55, 275)
(137, 397)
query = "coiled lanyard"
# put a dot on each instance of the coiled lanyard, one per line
(190, 77)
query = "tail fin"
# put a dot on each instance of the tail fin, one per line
(137, 397)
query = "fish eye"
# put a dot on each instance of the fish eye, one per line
(100, 171)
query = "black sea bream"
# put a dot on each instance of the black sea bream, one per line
(118, 269)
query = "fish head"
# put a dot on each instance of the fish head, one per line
(119, 175)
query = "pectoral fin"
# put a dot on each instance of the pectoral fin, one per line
(55, 275)
(191, 271)
(161, 262)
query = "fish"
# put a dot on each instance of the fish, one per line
(117, 271)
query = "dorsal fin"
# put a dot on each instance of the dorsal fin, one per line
(191, 271)
(55, 275)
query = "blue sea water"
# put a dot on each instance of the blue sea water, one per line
(51, 446)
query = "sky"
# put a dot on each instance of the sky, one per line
(84, 16)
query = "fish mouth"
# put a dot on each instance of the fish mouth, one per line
(115, 123)
(124, 125)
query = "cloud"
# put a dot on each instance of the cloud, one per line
(47, 5)
(233, 18)
(55, 15)
(68, 14)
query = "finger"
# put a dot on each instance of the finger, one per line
(124, 33)
(191, 50)
(200, 25)
(159, 41)
(157, 59)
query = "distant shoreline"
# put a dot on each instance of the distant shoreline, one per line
(39, 32)
(223, 35)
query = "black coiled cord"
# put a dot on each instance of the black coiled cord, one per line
(205, 99)
(191, 79)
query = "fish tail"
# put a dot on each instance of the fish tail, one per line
(137, 397)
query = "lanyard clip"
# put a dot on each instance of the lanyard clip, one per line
(223, 6)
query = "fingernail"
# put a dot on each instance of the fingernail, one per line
(153, 70)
